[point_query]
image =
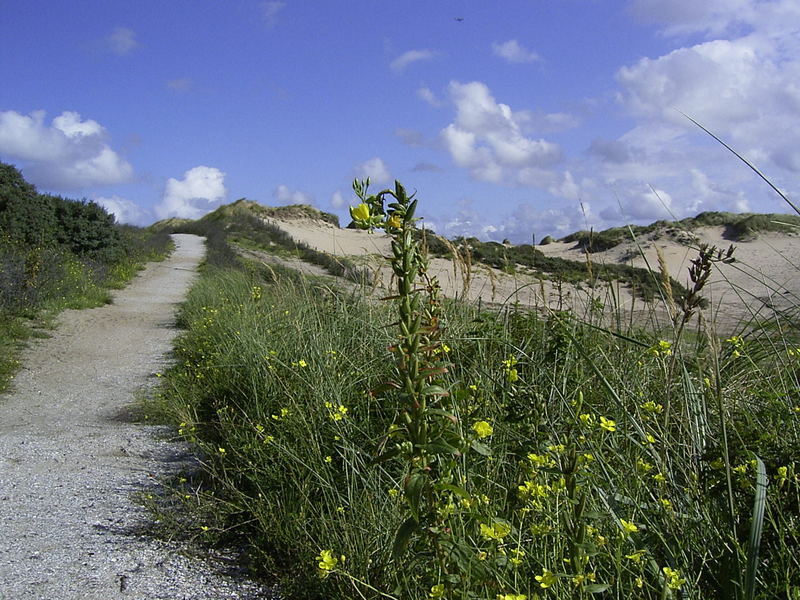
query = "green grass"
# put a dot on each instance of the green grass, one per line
(38, 283)
(612, 456)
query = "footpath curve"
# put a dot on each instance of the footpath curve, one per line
(69, 461)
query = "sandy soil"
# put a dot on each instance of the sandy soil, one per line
(763, 278)
(70, 461)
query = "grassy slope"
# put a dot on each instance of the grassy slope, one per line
(274, 386)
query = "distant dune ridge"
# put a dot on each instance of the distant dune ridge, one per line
(763, 277)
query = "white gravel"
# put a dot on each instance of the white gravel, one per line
(69, 465)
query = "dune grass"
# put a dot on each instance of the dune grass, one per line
(563, 460)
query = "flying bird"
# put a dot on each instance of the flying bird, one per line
(459, 19)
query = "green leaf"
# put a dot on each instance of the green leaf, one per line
(481, 448)
(439, 446)
(415, 485)
(449, 487)
(595, 588)
(385, 456)
(403, 536)
(434, 390)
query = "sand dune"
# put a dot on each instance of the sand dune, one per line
(764, 277)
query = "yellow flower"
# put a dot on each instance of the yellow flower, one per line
(674, 579)
(628, 527)
(327, 562)
(483, 429)
(496, 531)
(651, 406)
(302, 363)
(608, 424)
(437, 591)
(665, 503)
(512, 597)
(581, 579)
(394, 222)
(518, 555)
(329, 459)
(360, 212)
(636, 556)
(546, 579)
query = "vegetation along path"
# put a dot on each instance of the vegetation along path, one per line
(70, 461)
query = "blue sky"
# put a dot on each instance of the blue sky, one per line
(511, 119)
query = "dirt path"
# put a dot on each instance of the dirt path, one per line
(69, 463)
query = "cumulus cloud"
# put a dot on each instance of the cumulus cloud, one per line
(375, 169)
(428, 96)
(338, 200)
(69, 153)
(487, 137)
(404, 60)
(523, 224)
(641, 205)
(513, 52)
(121, 41)
(285, 195)
(123, 210)
(191, 197)
(680, 17)
(740, 82)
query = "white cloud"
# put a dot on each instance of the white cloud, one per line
(514, 52)
(641, 204)
(428, 96)
(338, 200)
(410, 137)
(121, 41)
(270, 10)
(181, 84)
(741, 82)
(682, 17)
(283, 194)
(184, 197)
(426, 167)
(123, 210)
(70, 153)
(375, 169)
(487, 137)
(401, 62)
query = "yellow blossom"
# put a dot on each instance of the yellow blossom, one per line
(360, 212)
(394, 222)
(496, 531)
(608, 424)
(636, 556)
(327, 562)
(546, 579)
(674, 579)
(628, 526)
(483, 429)
(651, 406)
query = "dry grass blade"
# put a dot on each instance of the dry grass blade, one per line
(747, 162)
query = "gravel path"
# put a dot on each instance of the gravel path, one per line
(69, 463)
